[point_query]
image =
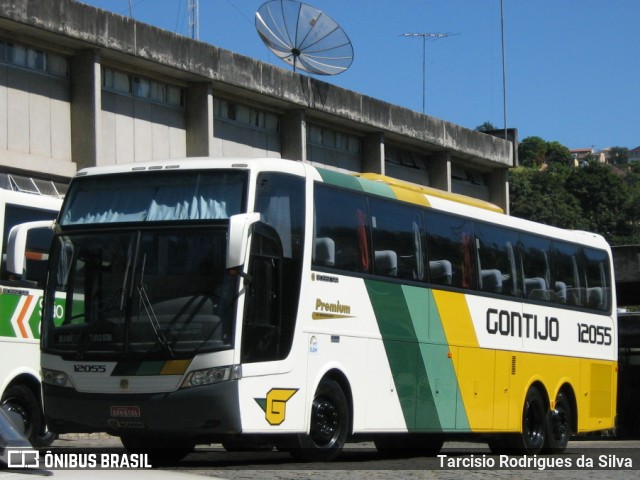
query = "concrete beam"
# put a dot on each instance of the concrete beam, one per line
(85, 108)
(440, 171)
(139, 43)
(373, 153)
(293, 136)
(199, 120)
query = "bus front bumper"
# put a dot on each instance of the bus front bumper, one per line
(204, 412)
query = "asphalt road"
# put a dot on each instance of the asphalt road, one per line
(584, 459)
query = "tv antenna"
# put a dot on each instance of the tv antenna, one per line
(424, 37)
(304, 37)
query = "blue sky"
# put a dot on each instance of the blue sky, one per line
(572, 66)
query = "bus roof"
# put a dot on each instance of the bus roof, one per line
(397, 184)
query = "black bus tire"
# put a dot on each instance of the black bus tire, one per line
(20, 399)
(559, 429)
(534, 423)
(330, 425)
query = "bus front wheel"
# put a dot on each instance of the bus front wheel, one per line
(20, 399)
(329, 426)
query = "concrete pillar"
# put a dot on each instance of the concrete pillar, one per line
(440, 171)
(199, 120)
(294, 135)
(86, 108)
(499, 188)
(373, 153)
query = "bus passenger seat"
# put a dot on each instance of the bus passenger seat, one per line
(536, 288)
(386, 263)
(491, 280)
(561, 292)
(441, 272)
(595, 297)
(325, 252)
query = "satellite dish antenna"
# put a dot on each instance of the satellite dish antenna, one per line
(304, 37)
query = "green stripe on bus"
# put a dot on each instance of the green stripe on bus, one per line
(126, 368)
(340, 179)
(435, 356)
(356, 183)
(418, 354)
(396, 323)
(376, 188)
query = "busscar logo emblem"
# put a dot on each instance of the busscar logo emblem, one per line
(275, 404)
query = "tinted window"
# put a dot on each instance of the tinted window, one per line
(497, 259)
(398, 249)
(450, 250)
(534, 256)
(597, 279)
(341, 230)
(565, 274)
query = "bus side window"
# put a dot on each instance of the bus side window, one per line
(496, 259)
(597, 279)
(534, 257)
(565, 274)
(450, 246)
(341, 230)
(397, 240)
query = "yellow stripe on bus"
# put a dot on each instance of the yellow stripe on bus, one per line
(456, 319)
(175, 367)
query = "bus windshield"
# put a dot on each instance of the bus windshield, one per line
(162, 293)
(154, 197)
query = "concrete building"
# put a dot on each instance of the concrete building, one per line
(81, 86)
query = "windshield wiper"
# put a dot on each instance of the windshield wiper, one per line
(151, 315)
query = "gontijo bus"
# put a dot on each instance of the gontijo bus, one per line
(266, 301)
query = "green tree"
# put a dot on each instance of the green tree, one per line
(486, 127)
(597, 197)
(558, 153)
(541, 196)
(605, 199)
(532, 151)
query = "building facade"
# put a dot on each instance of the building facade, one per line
(81, 87)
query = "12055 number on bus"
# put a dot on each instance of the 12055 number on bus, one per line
(598, 335)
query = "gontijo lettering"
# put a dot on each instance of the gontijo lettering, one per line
(527, 325)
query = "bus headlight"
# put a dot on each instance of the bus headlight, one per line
(55, 377)
(208, 376)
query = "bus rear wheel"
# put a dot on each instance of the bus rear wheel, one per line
(534, 422)
(329, 428)
(559, 428)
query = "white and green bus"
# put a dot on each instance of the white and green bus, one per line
(27, 209)
(261, 302)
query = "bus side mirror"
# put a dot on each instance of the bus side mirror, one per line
(238, 239)
(17, 253)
